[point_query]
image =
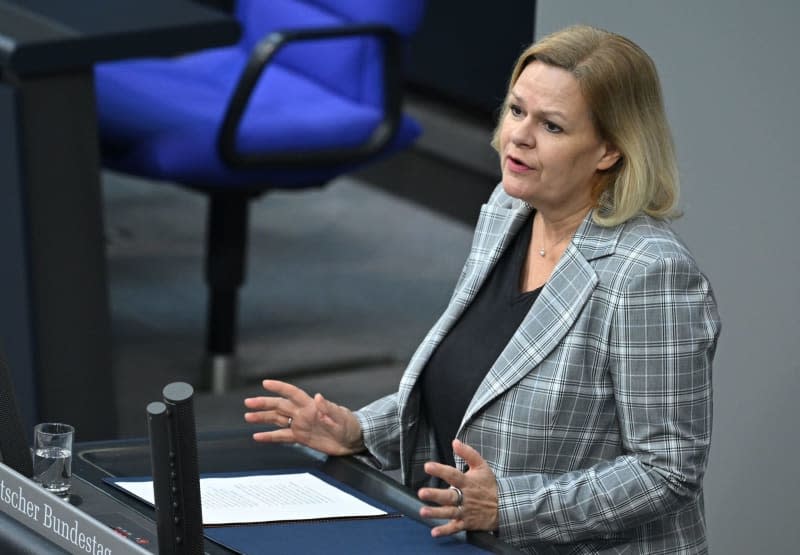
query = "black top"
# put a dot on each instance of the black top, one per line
(476, 340)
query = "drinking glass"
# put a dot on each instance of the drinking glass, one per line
(52, 456)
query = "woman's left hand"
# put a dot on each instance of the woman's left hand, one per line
(478, 486)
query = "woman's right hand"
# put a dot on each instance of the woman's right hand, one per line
(315, 421)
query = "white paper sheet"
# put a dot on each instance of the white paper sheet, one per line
(271, 498)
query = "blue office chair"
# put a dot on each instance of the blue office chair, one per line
(311, 91)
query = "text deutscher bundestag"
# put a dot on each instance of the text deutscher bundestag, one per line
(46, 517)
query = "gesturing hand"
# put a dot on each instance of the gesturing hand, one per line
(478, 486)
(315, 421)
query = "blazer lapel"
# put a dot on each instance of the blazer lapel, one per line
(551, 316)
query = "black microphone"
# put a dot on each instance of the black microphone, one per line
(176, 475)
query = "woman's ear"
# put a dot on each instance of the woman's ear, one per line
(611, 156)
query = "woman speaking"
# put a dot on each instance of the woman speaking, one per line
(564, 396)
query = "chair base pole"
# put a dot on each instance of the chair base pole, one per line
(222, 371)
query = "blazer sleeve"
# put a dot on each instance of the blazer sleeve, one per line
(661, 345)
(380, 429)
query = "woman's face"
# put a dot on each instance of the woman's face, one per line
(549, 147)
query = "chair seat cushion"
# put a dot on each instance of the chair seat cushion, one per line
(160, 118)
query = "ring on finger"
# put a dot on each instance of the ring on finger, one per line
(289, 423)
(460, 511)
(459, 496)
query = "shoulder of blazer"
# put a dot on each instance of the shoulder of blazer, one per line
(641, 237)
(649, 237)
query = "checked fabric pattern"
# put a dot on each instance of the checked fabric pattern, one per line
(596, 417)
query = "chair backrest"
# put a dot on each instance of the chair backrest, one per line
(326, 61)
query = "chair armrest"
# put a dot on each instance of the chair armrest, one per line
(263, 54)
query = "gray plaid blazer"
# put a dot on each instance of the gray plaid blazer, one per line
(596, 418)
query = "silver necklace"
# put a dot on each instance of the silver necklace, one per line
(543, 250)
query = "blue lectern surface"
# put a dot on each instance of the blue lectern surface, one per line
(236, 453)
(390, 533)
(400, 535)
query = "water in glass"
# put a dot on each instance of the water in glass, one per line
(52, 467)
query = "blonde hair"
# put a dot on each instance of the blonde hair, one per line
(620, 84)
